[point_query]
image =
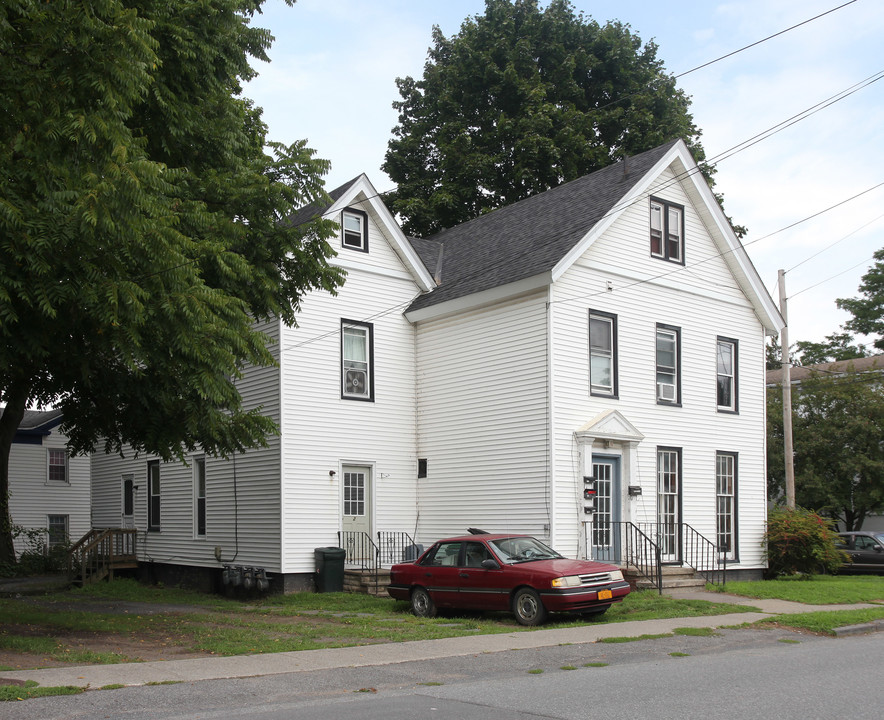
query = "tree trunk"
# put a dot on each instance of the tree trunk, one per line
(16, 400)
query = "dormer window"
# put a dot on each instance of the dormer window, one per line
(354, 226)
(667, 231)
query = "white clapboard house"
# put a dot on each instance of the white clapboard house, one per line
(48, 489)
(607, 335)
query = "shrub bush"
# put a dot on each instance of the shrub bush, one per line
(37, 558)
(800, 541)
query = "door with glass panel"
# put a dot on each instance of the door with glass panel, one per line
(669, 504)
(605, 532)
(356, 514)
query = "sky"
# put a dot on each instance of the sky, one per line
(334, 63)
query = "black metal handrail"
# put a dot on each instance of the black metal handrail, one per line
(625, 544)
(361, 552)
(689, 547)
(395, 547)
(703, 556)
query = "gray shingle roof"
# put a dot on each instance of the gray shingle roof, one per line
(528, 237)
(308, 212)
(873, 363)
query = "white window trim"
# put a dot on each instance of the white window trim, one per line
(67, 529)
(732, 344)
(664, 208)
(347, 236)
(351, 368)
(668, 393)
(49, 465)
(596, 388)
(732, 498)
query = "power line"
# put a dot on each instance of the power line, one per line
(829, 247)
(763, 40)
(832, 277)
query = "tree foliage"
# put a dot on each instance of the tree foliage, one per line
(522, 100)
(835, 347)
(140, 233)
(868, 309)
(837, 427)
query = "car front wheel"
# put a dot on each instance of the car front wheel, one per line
(528, 608)
(422, 604)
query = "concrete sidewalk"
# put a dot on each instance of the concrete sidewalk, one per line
(96, 676)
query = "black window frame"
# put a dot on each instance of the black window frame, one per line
(735, 555)
(677, 332)
(344, 368)
(153, 496)
(734, 408)
(611, 318)
(199, 500)
(363, 239)
(664, 253)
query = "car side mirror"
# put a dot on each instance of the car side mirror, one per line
(878, 548)
(490, 564)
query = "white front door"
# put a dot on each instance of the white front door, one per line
(356, 514)
(127, 504)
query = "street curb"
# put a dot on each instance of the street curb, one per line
(862, 629)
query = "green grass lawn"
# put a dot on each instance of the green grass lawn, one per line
(814, 589)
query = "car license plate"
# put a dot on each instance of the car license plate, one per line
(605, 595)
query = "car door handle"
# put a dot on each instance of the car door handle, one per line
(464, 575)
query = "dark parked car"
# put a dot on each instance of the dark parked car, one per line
(866, 550)
(505, 572)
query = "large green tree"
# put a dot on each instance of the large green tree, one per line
(140, 224)
(838, 424)
(868, 309)
(520, 100)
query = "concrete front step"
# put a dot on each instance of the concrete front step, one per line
(366, 582)
(672, 576)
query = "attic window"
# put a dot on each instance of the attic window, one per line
(354, 226)
(667, 231)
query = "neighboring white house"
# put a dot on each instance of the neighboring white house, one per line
(612, 327)
(47, 488)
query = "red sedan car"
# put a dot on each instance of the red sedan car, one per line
(505, 572)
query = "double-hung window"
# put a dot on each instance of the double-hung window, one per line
(58, 529)
(357, 381)
(602, 354)
(199, 496)
(58, 465)
(153, 495)
(726, 374)
(667, 231)
(668, 365)
(354, 228)
(726, 503)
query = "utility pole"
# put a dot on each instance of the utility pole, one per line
(787, 396)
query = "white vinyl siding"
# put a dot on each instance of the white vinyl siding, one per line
(484, 420)
(323, 430)
(243, 515)
(31, 502)
(704, 303)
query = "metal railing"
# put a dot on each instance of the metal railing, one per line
(703, 555)
(681, 543)
(624, 543)
(95, 555)
(396, 547)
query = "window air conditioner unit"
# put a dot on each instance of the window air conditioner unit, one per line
(355, 382)
(666, 391)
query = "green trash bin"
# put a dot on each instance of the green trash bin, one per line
(329, 569)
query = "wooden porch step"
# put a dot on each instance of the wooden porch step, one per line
(672, 576)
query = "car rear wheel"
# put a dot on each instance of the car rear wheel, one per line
(528, 608)
(422, 604)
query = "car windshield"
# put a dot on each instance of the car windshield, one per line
(522, 549)
(880, 537)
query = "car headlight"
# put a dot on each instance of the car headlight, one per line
(569, 581)
(616, 575)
